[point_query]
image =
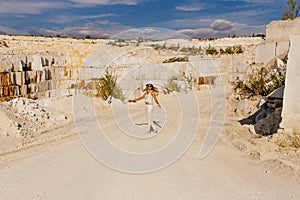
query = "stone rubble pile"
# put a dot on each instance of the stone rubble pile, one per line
(30, 119)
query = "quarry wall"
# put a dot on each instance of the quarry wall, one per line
(43, 67)
(277, 39)
(282, 37)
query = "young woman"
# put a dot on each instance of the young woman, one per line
(149, 97)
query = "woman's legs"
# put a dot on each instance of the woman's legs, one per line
(149, 111)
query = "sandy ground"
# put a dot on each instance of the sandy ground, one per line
(62, 168)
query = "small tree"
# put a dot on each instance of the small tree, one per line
(292, 9)
(108, 87)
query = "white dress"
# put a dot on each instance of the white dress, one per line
(149, 110)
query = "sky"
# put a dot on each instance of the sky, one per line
(106, 18)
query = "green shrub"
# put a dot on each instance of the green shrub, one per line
(174, 48)
(295, 142)
(159, 47)
(211, 50)
(118, 43)
(189, 80)
(238, 49)
(108, 87)
(171, 86)
(177, 59)
(261, 83)
(222, 51)
(229, 50)
(191, 50)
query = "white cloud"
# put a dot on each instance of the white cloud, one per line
(185, 23)
(41, 31)
(80, 31)
(252, 16)
(260, 1)
(136, 33)
(106, 2)
(98, 16)
(37, 7)
(231, 19)
(29, 6)
(202, 32)
(224, 28)
(256, 1)
(65, 19)
(149, 33)
(191, 6)
(8, 30)
(105, 22)
(221, 25)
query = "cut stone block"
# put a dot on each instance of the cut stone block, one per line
(5, 78)
(239, 64)
(282, 47)
(13, 78)
(18, 76)
(45, 62)
(32, 77)
(265, 53)
(5, 91)
(42, 86)
(32, 88)
(36, 62)
(13, 90)
(39, 75)
(23, 90)
(291, 99)
(25, 78)
(89, 73)
(58, 73)
(48, 74)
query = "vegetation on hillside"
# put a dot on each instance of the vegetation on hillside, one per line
(236, 49)
(211, 50)
(176, 59)
(262, 83)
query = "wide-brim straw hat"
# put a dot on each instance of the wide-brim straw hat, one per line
(155, 89)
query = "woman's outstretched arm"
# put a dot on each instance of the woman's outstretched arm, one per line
(137, 99)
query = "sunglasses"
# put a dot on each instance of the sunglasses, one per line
(149, 85)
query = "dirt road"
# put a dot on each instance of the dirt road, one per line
(66, 170)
